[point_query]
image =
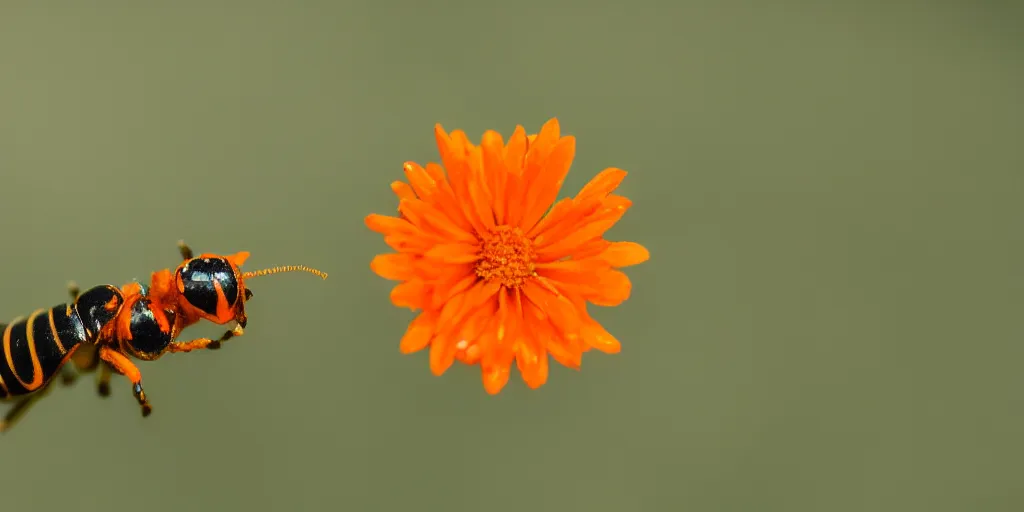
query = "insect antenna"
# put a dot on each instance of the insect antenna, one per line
(286, 268)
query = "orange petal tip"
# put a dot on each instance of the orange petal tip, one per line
(393, 267)
(442, 355)
(553, 125)
(495, 378)
(416, 338)
(382, 224)
(597, 337)
(625, 254)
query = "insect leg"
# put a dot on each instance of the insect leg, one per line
(86, 359)
(186, 251)
(18, 410)
(68, 375)
(73, 290)
(122, 365)
(204, 343)
(103, 380)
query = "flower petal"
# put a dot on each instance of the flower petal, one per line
(515, 157)
(565, 350)
(538, 150)
(515, 190)
(449, 288)
(395, 267)
(575, 216)
(590, 249)
(479, 295)
(601, 185)
(402, 190)
(454, 150)
(412, 244)
(555, 217)
(596, 226)
(422, 183)
(470, 354)
(431, 186)
(515, 151)
(561, 352)
(387, 225)
(596, 336)
(495, 376)
(442, 354)
(624, 254)
(493, 163)
(454, 253)
(472, 327)
(450, 310)
(532, 361)
(455, 310)
(425, 216)
(613, 289)
(479, 193)
(418, 335)
(581, 268)
(410, 294)
(495, 358)
(545, 187)
(452, 154)
(559, 310)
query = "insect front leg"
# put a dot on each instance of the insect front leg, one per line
(205, 343)
(119, 363)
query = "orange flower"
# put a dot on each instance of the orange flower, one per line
(498, 273)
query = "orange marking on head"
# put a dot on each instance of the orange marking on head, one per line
(121, 327)
(226, 313)
(161, 286)
(238, 259)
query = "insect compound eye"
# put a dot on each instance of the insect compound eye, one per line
(147, 337)
(198, 277)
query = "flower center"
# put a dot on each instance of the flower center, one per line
(507, 255)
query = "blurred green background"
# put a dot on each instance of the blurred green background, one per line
(831, 319)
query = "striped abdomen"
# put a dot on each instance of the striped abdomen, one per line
(35, 348)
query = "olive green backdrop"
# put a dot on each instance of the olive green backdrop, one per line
(831, 319)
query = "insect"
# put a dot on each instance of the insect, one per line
(105, 326)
